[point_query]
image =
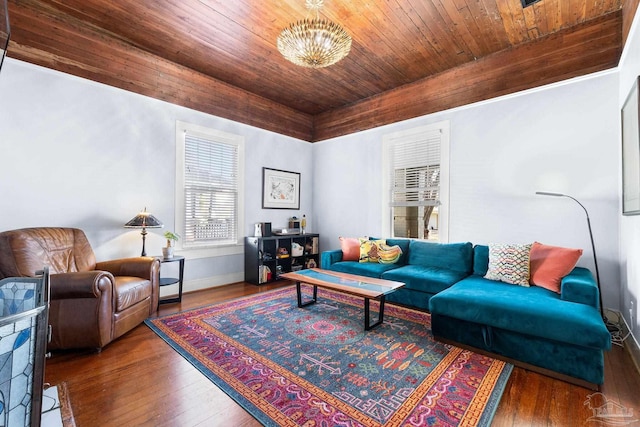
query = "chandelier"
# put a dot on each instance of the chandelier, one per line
(314, 43)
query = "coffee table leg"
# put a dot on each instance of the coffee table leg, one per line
(367, 326)
(299, 292)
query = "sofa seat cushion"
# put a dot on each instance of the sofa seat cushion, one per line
(410, 298)
(130, 291)
(369, 269)
(533, 311)
(425, 279)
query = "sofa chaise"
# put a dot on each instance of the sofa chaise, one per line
(557, 334)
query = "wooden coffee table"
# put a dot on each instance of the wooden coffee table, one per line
(366, 287)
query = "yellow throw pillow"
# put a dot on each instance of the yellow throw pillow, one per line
(389, 254)
(370, 249)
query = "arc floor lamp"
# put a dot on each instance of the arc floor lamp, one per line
(593, 246)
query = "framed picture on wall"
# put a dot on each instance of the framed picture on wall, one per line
(631, 153)
(280, 189)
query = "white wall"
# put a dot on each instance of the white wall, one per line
(629, 70)
(560, 138)
(81, 154)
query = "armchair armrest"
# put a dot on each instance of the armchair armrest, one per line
(330, 257)
(580, 286)
(83, 284)
(142, 267)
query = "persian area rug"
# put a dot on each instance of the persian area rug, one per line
(316, 366)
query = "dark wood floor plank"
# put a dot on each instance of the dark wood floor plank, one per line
(140, 380)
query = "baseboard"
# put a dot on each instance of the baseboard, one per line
(204, 283)
(629, 341)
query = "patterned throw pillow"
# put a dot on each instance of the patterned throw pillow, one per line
(509, 263)
(389, 254)
(369, 250)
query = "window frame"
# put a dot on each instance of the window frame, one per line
(215, 136)
(416, 134)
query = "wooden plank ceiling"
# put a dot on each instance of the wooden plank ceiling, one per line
(408, 58)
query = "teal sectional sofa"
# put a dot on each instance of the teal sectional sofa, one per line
(561, 335)
(426, 268)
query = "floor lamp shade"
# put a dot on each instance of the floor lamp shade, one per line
(144, 220)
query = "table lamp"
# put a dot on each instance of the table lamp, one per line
(144, 220)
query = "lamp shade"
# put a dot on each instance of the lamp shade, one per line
(144, 220)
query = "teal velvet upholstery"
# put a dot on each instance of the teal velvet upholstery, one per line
(426, 268)
(553, 333)
(332, 260)
(562, 333)
(327, 258)
(480, 260)
(447, 256)
(532, 311)
(369, 269)
(425, 279)
(410, 298)
(584, 363)
(580, 287)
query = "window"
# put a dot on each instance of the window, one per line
(209, 190)
(416, 183)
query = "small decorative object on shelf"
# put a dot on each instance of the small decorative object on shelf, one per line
(266, 258)
(296, 249)
(171, 238)
(303, 224)
(283, 253)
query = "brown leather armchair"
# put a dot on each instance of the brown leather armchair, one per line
(92, 303)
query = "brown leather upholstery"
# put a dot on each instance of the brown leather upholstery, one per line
(91, 303)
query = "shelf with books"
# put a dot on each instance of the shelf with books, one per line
(268, 257)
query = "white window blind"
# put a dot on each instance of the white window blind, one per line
(211, 187)
(415, 165)
(415, 170)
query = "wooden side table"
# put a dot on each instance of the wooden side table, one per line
(166, 281)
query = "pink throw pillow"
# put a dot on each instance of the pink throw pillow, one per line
(549, 264)
(350, 248)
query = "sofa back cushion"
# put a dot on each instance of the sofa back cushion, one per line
(451, 256)
(480, 260)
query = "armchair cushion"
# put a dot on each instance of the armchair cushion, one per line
(130, 291)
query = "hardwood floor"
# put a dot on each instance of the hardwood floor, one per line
(139, 380)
